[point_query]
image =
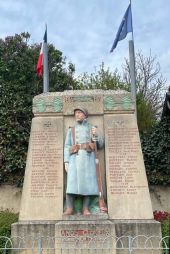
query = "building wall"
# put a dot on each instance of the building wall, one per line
(10, 198)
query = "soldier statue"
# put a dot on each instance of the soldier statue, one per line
(80, 161)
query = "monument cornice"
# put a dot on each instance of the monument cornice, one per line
(96, 101)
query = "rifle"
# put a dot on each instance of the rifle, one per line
(102, 204)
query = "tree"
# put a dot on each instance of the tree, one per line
(19, 84)
(150, 85)
(61, 76)
(145, 116)
(102, 79)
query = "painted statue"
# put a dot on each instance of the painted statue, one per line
(80, 161)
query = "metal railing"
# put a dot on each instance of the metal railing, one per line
(97, 244)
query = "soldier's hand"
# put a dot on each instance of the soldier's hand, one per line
(94, 134)
(94, 131)
(66, 164)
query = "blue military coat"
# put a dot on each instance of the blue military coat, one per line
(81, 175)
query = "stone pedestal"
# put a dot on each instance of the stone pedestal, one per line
(98, 234)
(141, 236)
(34, 236)
(33, 228)
(85, 236)
(137, 227)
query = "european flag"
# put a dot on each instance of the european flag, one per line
(124, 28)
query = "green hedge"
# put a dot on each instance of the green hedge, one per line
(18, 85)
(6, 219)
(156, 151)
(165, 226)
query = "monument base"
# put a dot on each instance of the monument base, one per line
(34, 229)
(141, 236)
(94, 235)
(33, 236)
(137, 227)
(90, 236)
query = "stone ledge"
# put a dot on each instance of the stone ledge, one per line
(85, 218)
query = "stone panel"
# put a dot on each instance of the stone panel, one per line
(117, 102)
(48, 103)
(93, 102)
(33, 237)
(138, 235)
(85, 237)
(42, 197)
(127, 188)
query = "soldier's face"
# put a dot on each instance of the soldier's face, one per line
(79, 115)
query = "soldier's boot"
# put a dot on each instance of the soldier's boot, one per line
(68, 211)
(69, 204)
(86, 211)
(86, 202)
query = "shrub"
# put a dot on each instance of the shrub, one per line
(156, 147)
(164, 218)
(161, 215)
(6, 219)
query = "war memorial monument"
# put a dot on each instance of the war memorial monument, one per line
(128, 209)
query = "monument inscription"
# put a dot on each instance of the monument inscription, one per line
(44, 170)
(126, 179)
(84, 237)
(123, 157)
(44, 178)
(92, 102)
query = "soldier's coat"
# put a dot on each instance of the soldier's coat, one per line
(81, 175)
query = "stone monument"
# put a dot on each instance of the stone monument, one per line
(123, 174)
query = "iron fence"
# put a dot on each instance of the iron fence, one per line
(70, 244)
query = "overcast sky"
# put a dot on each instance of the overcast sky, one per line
(84, 30)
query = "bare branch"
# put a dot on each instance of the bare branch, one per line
(149, 81)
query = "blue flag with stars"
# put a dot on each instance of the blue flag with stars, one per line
(124, 28)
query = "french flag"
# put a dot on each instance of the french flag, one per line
(41, 56)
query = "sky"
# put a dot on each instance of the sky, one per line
(84, 30)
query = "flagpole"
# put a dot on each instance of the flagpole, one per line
(132, 20)
(132, 68)
(125, 28)
(45, 66)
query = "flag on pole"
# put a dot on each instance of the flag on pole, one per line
(41, 55)
(124, 28)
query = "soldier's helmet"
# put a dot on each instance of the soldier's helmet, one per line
(84, 110)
